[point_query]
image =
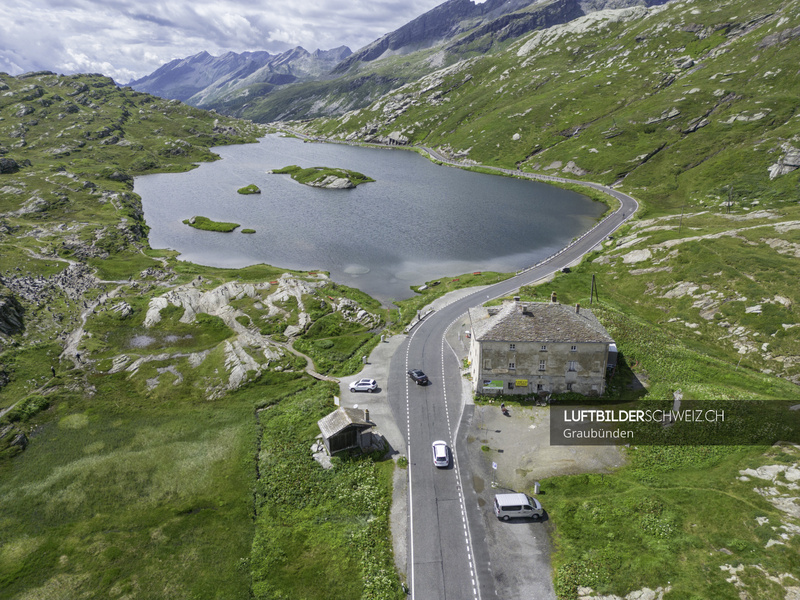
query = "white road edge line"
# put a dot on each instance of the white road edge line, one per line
(459, 483)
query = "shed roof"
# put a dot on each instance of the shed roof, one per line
(341, 419)
(536, 322)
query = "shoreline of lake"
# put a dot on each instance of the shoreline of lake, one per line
(419, 221)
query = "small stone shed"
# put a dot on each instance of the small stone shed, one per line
(345, 428)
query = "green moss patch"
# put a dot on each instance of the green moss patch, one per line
(249, 189)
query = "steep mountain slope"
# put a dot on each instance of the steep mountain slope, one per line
(444, 35)
(691, 107)
(439, 25)
(201, 78)
(182, 78)
(651, 96)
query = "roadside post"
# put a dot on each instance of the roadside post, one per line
(494, 474)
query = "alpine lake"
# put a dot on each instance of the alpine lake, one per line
(417, 222)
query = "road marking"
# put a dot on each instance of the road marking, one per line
(457, 471)
(408, 451)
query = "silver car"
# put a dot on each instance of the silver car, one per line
(441, 454)
(364, 385)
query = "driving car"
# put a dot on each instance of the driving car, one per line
(364, 385)
(418, 376)
(441, 454)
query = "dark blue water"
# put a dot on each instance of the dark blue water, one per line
(418, 221)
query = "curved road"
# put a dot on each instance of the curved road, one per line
(448, 553)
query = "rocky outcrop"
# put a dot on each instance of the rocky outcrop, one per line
(787, 163)
(74, 282)
(11, 314)
(780, 37)
(12, 441)
(332, 182)
(194, 300)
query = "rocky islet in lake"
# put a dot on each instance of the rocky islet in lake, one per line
(324, 177)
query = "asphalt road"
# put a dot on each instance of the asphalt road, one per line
(448, 552)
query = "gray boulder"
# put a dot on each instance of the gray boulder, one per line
(8, 165)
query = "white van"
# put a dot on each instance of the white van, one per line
(517, 505)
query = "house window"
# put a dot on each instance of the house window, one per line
(544, 348)
(542, 365)
(573, 365)
(487, 363)
(539, 387)
(512, 346)
(573, 349)
(569, 387)
(512, 365)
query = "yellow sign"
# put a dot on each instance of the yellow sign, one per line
(521, 383)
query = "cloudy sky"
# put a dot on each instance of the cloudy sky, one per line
(127, 39)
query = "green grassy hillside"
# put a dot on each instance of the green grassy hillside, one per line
(136, 459)
(690, 107)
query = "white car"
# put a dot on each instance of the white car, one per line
(441, 454)
(364, 385)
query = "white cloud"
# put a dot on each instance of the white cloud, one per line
(128, 39)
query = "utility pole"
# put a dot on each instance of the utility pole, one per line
(594, 292)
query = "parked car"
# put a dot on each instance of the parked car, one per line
(508, 506)
(441, 454)
(364, 385)
(418, 376)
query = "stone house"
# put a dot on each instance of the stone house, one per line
(529, 347)
(346, 428)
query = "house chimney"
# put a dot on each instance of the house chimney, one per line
(366, 415)
(577, 308)
(553, 297)
(516, 299)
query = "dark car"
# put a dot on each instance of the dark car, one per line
(418, 376)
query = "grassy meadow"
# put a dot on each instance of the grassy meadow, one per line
(120, 497)
(676, 517)
(140, 474)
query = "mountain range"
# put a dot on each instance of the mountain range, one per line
(202, 79)
(243, 84)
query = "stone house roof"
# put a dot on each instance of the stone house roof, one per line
(341, 419)
(536, 322)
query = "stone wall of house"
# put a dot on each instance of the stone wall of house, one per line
(543, 366)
